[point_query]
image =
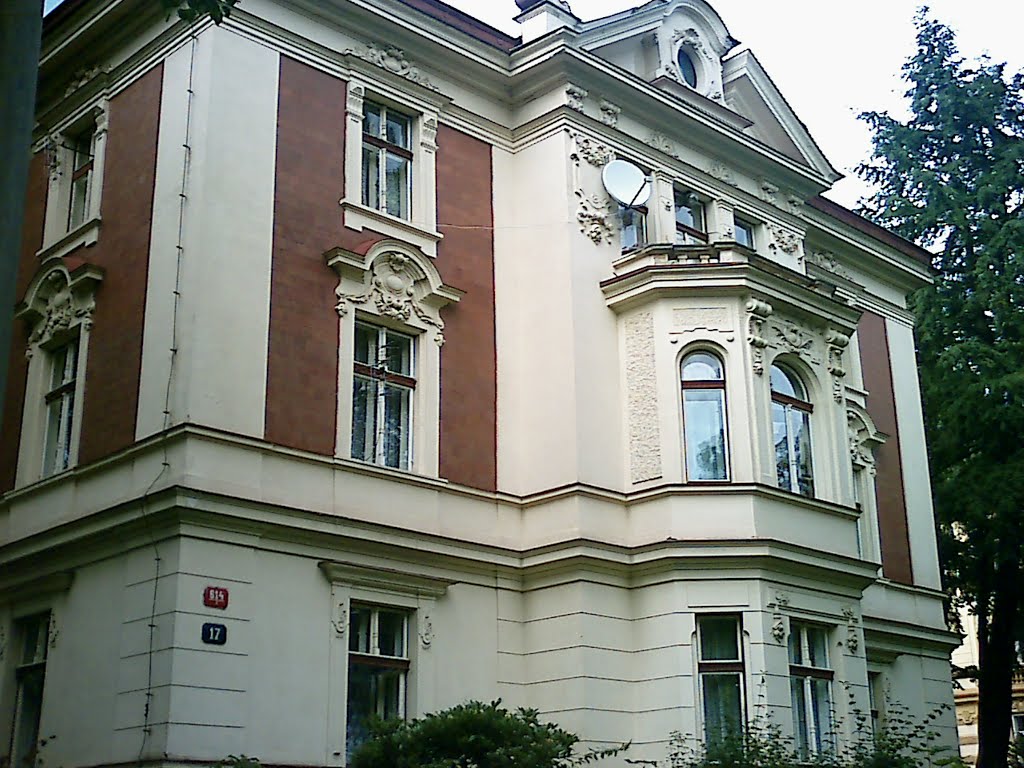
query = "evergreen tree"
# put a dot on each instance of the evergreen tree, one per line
(951, 177)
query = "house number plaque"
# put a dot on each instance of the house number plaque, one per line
(215, 597)
(215, 634)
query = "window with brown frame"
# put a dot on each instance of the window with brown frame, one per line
(810, 679)
(721, 673)
(32, 637)
(384, 381)
(691, 228)
(60, 407)
(791, 432)
(704, 421)
(378, 669)
(387, 160)
(81, 177)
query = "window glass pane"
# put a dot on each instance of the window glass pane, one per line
(780, 436)
(796, 651)
(372, 691)
(359, 629)
(744, 233)
(392, 633)
(366, 345)
(821, 709)
(64, 440)
(687, 68)
(372, 119)
(719, 638)
(704, 427)
(782, 383)
(34, 638)
(371, 177)
(397, 421)
(79, 200)
(59, 359)
(723, 705)
(817, 647)
(800, 424)
(397, 192)
(51, 458)
(364, 419)
(82, 149)
(701, 366)
(799, 702)
(632, 227)
(689, 210)
(399, 353)
(398, 130)
(29, 709)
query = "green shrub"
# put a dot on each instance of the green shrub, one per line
(473, 735)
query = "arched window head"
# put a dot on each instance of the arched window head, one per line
(703, 384)
(687, 68)
(791, 432)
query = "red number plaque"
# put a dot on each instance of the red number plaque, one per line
(215, 597)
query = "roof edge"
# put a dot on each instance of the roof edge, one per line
(869, 228)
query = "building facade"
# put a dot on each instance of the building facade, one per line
(342, 386)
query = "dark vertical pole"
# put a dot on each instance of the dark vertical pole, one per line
(21, 26)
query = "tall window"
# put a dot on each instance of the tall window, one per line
(691, 228)
(810, 681)
(32, 634)
(791, 430)
(387, 160)
(703, 385)
(720, 668)
(60, 408)
(378, 669)
(632, 226)
(81, 177)
(382, 390)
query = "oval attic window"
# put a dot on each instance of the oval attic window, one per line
(687, 69)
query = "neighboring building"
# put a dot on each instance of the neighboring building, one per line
(966, 694)
(340, 385)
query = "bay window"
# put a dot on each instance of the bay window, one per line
(382, 396)
(810, 680)
(720, 669)
(387, 160)
(703, 385)
(791, 432)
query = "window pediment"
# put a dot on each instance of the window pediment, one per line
(57, 299)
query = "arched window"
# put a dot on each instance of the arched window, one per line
(791, 432)
(687, 68)
(703, 383)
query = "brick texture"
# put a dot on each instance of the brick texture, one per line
(465, 259)
(302, 365)
(115, 343)
(892, 506)
(14, 401)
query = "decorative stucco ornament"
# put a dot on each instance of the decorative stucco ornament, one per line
(723, 173)
(609, 113)
(785, 240)
(758, 312)
(641, 378)
(393, 292)
(61, 309)
(339, 621)
(836, 344)
(828, 262)
(82, 76)
(662, 143)
(792, 338)
(393, 60)
(591, 150)
(594, 218)
(427, 632)
(575, 96)
(778, 629)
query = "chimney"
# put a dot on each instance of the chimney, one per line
(539, 17)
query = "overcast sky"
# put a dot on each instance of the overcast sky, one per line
(832, 59)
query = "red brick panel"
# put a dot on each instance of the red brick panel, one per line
(465, 259)
(302, 365)
(892, 505)
(115, 342)
(14, 402)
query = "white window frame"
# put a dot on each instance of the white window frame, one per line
(58, 309)
(60, 234)
(382, 148)
(807, 675)
(386, 378)
(22, 668)
(60, 399)
(420, 229)
(396, 287)
(413, 593)
(741, 222)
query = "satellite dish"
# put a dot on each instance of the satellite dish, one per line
(626, 183)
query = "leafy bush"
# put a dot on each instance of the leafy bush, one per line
(473, 735)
